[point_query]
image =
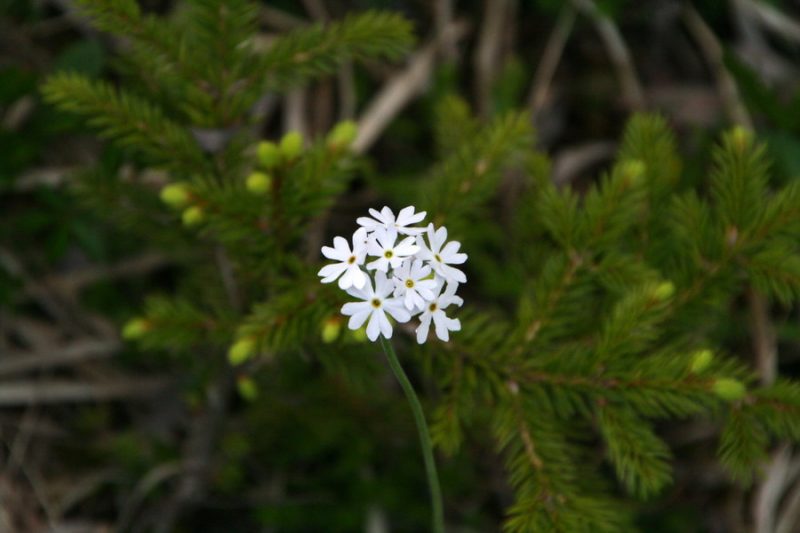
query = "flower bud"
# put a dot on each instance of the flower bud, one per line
(701, 360)
(175, 195)
(269, 155)
(331, 329)
(729, 389)
(193, 216)
(633, 171)
(258, 183)
(741, 138)
(342, 135)
(241, 351)
(135, 329)
(664, 291)
(247, 388)
(291, 145)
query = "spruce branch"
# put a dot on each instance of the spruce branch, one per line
(127, 119)
(310, 52)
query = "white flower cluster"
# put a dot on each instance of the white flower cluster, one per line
(412, 275)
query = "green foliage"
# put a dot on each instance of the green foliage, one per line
(606, 334)
(305, 53)
(586, 306)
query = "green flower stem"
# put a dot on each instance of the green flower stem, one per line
(424, 435)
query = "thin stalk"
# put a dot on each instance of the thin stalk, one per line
(424, 435)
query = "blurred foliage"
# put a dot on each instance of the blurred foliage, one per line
(315, 437)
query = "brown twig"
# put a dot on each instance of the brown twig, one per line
(551, 57)
(399, 90)
(53, 391)
(486, 60)
(75, 352)
(713, 54)
(618, 52)
(443, 15)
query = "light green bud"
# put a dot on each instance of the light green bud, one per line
(343, 135)
(331, 329)
(664, 291)
(247, 388)
(135, 329)
(729, 389)
(741, 138)
(701, 360)
(241, 351)
(269, 155)
(258, 183)
(633, 171)
(291, 145)
(176, 195)
(193, 216)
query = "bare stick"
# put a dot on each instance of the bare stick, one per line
(52, 391)
(487, 53)
(713, 54)
(398, 91)
(76, 352)
(632, 92)
(443, 15)
(551, 58)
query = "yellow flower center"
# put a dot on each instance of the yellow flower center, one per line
(351, 260)
(410, 283)
(388, 254)
(432, 307)
(437, 257)
(375, 303)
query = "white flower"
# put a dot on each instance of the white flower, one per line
(386, 219)
(409, 281)
(374, 306)
(434, 310)
(350, 260)
(382, 245)
(440, 258)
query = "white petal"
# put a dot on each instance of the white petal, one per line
(395, 308)
(358, 319)
(362, 293)
(373, 328)
(441, 237)
(406, 216)
(386, 326)
(386, 237)
(452, 274)
(388, 216)
(383, 287)
(373, 247)
(409, 301)
(440, 321)
(424, 326)
(368, 223)
(346, 281)
(420, 270)
(377, 215)
(359, 278)
(450, 254)
(336, 254)
(359, 240)
(381, 264)
(354, 308)
(332, 270)
(406, 247)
